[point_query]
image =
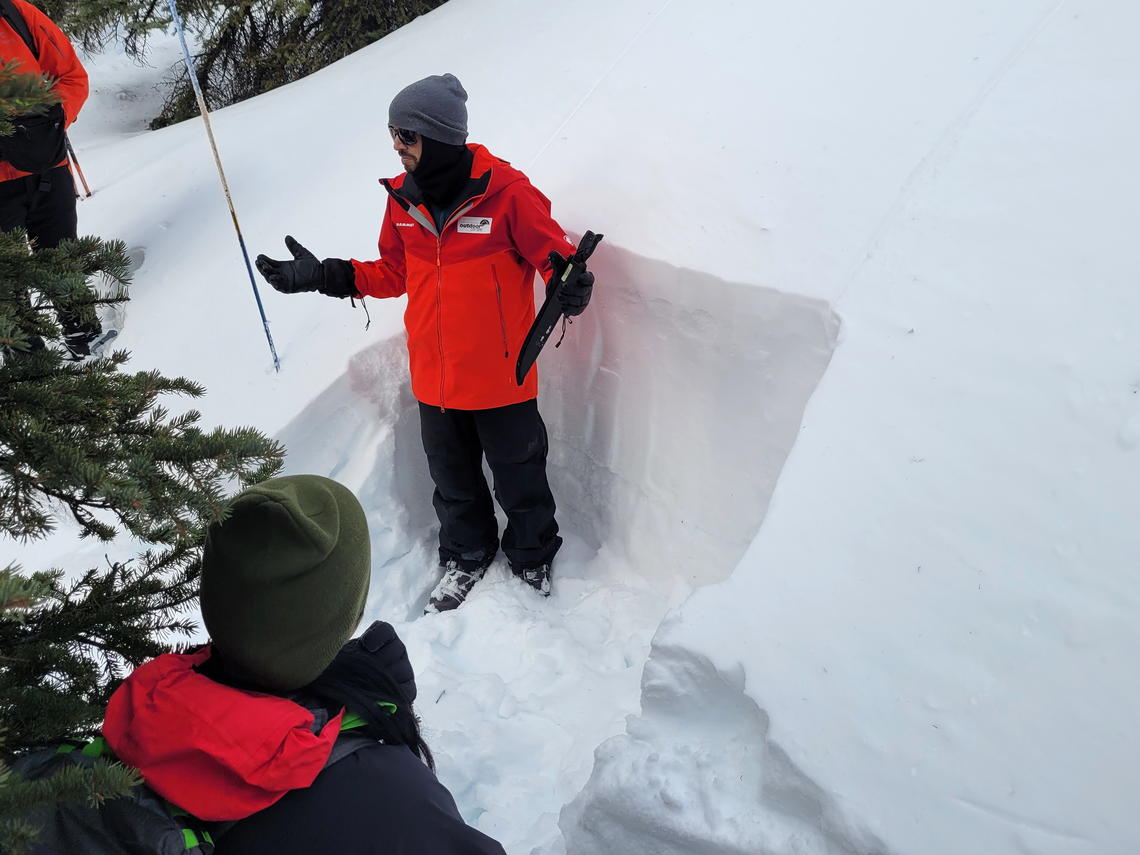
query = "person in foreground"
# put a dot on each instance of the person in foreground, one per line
(282, 733)
(463, 234)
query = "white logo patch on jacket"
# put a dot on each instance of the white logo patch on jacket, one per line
(474, 225)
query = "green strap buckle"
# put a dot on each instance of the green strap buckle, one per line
(352, 720)
(97, 747)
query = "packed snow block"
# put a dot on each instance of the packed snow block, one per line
(672, 405)
(698, 773)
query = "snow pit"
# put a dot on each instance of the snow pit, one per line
(671, 406)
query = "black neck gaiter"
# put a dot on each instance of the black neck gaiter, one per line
(442, 172)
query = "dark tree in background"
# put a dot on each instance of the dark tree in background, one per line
(246, 47)
(94, 24)
(258, 45)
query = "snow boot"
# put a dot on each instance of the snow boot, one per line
(457, 582)
(99, 345)
(78, 336)
(78, 345)
(538, 577)
(82, 345)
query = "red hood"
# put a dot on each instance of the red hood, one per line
(217, 752)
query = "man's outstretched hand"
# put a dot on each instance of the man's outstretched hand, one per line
(334, 277)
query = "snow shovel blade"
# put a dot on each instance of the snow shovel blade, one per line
(551, 311)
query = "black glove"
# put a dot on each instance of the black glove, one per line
(333, 277)
(575, 293)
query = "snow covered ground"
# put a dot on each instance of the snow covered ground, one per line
(898, 617)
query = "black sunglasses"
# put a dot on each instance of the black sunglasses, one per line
(406, 137)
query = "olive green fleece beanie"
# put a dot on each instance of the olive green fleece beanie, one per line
(284, 579)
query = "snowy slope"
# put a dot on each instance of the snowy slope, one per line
(939, 648)
(925, 647)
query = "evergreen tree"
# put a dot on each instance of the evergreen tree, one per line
(20, 595)
(246, 46)
(21, 94)
(94, 24)
(257, 45)
(90, 441)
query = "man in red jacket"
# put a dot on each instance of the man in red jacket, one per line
(43, 201)
(463, 235)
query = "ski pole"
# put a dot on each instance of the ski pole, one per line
(72, 159)
(74, 184)
(193, 73)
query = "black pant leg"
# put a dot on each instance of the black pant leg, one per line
(15, 202)
(515, 442)
(51, 219)
(467, 527)
(51, 212)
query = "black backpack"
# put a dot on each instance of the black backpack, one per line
(139, 823)
(39, 141)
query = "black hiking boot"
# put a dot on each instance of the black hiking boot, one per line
(456, 584)
(538, 577)
(78, 340)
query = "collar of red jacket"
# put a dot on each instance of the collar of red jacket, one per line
(217, 752)
(502, 173)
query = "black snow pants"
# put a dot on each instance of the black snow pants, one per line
(513, 439)
(44, 205)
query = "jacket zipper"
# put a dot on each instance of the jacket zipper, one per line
(502, 317)
(463, 208)
(439, 313)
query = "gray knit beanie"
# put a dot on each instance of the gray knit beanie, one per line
(435, 107)
(284, 579)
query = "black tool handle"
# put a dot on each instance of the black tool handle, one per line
(586, 246)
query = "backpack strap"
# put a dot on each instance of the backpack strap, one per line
(11, 14)
(348, 743)
(204, 835)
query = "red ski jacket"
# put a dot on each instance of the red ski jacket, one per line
(218, 752)
(57, 60)
(470, 285)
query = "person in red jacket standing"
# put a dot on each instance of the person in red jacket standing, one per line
(43, 201)
(463, 234)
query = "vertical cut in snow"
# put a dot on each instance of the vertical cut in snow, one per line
(673, 404)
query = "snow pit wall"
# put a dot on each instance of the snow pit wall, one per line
(672, 405)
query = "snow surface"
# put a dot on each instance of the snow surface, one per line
(922, 638)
